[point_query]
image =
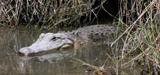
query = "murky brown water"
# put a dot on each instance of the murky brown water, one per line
(11, 40)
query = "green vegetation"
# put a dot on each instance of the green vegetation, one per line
(141, 36)
(140, 20)
(142, 39)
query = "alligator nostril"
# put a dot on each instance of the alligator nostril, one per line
(24, 51)
(20, 53)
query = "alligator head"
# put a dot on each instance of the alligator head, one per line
(47, 42)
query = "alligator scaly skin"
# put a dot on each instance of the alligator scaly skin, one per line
(76, 38)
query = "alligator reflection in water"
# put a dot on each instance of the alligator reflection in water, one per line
(76, 38)
(11, 40)
(49, 57)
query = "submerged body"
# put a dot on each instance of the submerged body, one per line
(76, 38)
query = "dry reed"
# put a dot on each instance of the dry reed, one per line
(46, 13)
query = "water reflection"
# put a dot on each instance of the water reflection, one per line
(11, 40)
(48, 57)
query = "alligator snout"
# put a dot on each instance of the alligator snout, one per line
(25, 51)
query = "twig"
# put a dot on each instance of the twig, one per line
(135, 57)
(131, 26)
(60, 21)
(142, 52)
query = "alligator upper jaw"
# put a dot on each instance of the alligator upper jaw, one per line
(28, 51)
(47, 42)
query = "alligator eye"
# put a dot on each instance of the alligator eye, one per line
(54, 38)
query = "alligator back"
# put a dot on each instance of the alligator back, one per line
(94, 33)
(76, 38)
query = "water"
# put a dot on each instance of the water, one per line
(11, 63)
(55, 63)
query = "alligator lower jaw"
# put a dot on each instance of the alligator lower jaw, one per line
(37, 53)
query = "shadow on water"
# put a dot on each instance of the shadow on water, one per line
(11, 40)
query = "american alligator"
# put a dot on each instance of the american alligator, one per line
(76, 38)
